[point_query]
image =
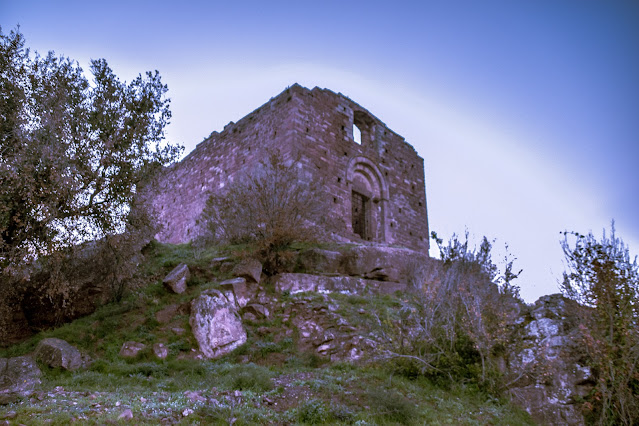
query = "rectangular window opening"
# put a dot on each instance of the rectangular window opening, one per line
(357, 134)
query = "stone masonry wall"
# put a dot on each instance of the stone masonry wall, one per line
(383, 175)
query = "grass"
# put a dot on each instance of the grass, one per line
(266, 381)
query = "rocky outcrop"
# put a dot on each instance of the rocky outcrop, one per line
(216, 324)
(57, 353)
(177, 278)
(547, 378)
(18, 377)
(298, 283)
(323, 332)
(375, 262)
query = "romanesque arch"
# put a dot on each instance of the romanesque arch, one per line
(369, 197)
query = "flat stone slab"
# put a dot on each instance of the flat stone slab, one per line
(298, 283)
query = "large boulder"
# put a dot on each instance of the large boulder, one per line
(18, 376)
(216, 324)
(57, 353)
(177, 278)
(547, 379)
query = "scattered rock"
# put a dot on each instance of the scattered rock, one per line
(131, 349)
(57, 353)
(8, 398)
(259, 311)
(240, 289)
(178, 330)
(160, 350)
(18, 375)
(176, 280)
(250, 268)
(126, 415)
(217, 262)
(9, 415)
(194, 396)
(216, 324)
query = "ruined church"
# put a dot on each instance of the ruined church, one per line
(373, 180)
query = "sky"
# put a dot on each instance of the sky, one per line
(526, 112)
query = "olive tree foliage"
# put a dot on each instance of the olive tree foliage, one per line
(73, 150)
(603, 276)
(271, 206)
(458, 324)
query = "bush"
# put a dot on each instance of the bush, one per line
(459, 321)
(272, 207)
(603, 277)
(393, 406)
(313, 412)
(250, 377)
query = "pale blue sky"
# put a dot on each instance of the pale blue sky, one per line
(526, 113)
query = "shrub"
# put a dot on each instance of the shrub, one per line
(272, 207)
(458, 321)
(250, 377)
(393, 406)
(603, 277)
(313, 412)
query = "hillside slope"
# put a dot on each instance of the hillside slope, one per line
(310, 357)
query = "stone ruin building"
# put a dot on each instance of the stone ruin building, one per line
(373, 180)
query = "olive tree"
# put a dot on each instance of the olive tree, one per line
(73, 150)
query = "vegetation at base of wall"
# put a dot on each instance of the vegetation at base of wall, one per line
(456, 328)
(266, 381)
(271, 207)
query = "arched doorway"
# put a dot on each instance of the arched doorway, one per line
(369, 196)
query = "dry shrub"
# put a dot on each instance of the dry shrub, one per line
(461, 320)
(272, 207)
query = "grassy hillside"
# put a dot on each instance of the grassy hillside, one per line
(266, 381)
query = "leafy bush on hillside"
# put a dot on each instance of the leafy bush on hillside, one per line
(460, 322)
(602, 275)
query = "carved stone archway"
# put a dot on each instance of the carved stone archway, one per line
(369, 197)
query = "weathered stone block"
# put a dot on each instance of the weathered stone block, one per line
(176, 279)
(249, 269)
(57, 353)
(216, 324)
(242, 291)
